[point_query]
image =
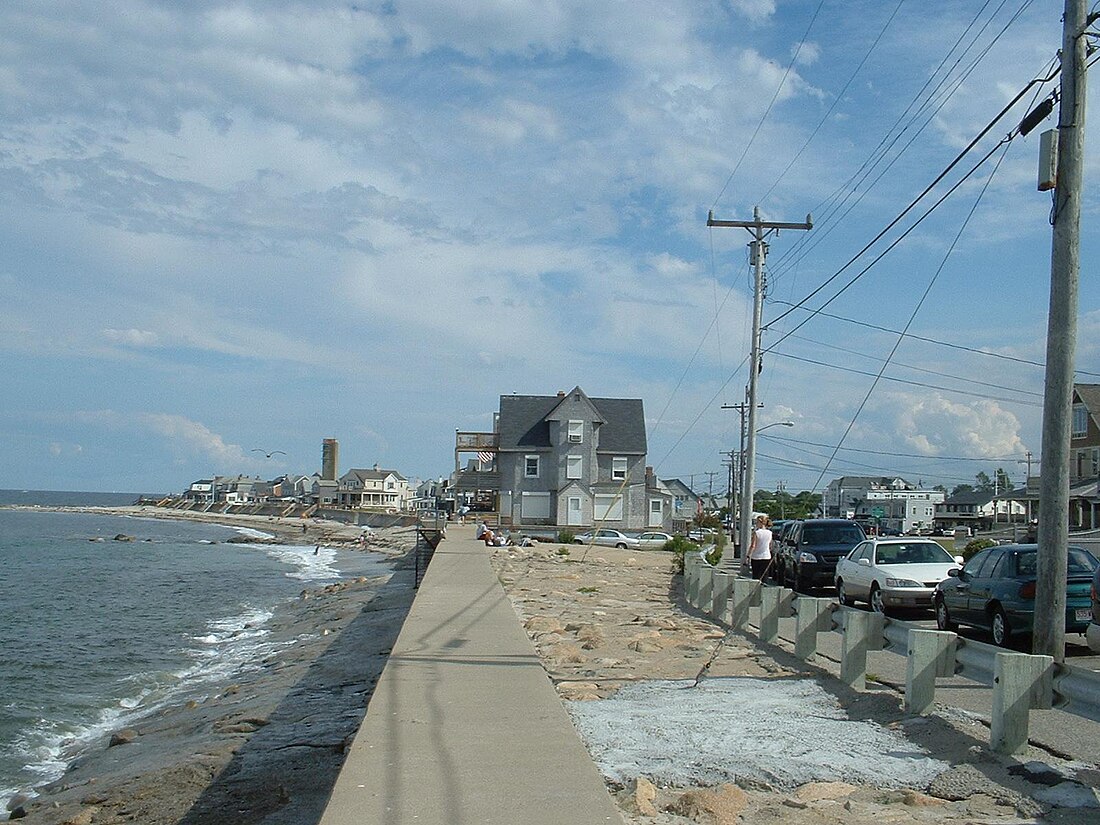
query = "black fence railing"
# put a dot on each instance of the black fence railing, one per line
(431, 528)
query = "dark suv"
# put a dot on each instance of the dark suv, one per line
(811, 549)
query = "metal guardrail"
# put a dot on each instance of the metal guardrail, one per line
(1021, 682)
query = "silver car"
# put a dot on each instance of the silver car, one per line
(607, 538)
(653, 540)
(893, 572)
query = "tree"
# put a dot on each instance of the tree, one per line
(784, 505)
(962, 488)
(983, 483)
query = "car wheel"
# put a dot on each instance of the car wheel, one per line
(943, 618)
(621, 546)
(801, 584)
(1001, 631)
(877, 604)
(841, 596)
(578, 541)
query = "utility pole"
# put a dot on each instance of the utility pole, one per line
(1050, 592)
(742, 409)
(759, 230)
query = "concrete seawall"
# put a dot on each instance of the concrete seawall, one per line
(465, 725)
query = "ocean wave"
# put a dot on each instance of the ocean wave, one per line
(231, 646)
(250, 532)
(313, 563)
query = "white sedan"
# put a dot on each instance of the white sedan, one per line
(607, 538)
(893, 572)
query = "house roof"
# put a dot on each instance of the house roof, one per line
(979, 497)
(1090, 397)
(677, 484)
(524, 422)
(374, 473)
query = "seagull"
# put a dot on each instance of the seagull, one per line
(266, 454)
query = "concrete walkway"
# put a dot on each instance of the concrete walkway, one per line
(464, 725)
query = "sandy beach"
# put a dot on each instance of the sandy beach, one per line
(605, 622)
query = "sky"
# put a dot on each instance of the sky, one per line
(235, 228)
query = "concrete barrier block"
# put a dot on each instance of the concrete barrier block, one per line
(813, 616)
(745, 591)
(930, 653)
(720, 598)
(706, 587)
(1020, 682)
(860, 630)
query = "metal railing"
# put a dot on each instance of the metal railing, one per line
(1021, 682)
(431, 529)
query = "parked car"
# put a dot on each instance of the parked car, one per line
(1092, 632)
(996, 590)
(607, 538)
(811, 549)
(653, 540)
(702, 535)
(893, 572)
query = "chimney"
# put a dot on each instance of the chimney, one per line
(561, 394)
(650, 478)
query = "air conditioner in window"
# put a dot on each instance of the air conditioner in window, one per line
(574, 439)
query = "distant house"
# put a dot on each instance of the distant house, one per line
(201, 490)
(373, 488)
(980, 509)
(324, 492)
(685, 503)
(572, 460)
(1084, 437)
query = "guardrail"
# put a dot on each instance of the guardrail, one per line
(1021, 682)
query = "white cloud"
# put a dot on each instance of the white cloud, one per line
(935, 425)
(132, 337)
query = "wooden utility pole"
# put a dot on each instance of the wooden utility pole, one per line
(1050, 593)
(737, 474)
(759, 230)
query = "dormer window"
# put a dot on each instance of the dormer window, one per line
(576, 432)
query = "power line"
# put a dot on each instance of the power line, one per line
(1011, 457)
(918, 369)
(920, 303)
(905, 381)
(767, 111)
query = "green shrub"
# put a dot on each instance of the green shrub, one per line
(714, 556)
(679, 545)
(566, 537)
(562, 551)
(974, 545)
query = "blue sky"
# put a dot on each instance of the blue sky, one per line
(238, 226)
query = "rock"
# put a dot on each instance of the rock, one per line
(84, 817)
(18, 801)
(123, 737)
(544, 624)
(712, 806)
(578, 691)
(817, 791)
(916, 799)
(961, 782)
(642, 795)
(123, 537)
(18, 813)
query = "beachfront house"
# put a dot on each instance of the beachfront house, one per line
(574, 461)
(374, 488)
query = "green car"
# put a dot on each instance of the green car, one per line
(995, 590)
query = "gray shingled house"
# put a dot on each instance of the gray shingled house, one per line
(575, 461)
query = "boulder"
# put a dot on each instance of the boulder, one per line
(712, 806)
(122, 737)
(641, 795)
(817, 791)
(123, 537)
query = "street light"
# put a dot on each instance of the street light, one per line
(776, 424)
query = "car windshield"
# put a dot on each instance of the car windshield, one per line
(1078, 562)
(915, 552)
(831, 534)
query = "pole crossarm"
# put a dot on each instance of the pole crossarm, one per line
(760, 225)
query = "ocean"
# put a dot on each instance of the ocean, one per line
(96, 633)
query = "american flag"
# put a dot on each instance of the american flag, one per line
(485, 458)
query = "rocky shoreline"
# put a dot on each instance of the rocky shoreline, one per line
(268, 746)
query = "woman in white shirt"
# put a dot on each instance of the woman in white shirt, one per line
(760, 556)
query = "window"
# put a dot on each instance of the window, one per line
(574, 464)
(608, 507)
(531, 466)
(576, 432)
(1080, 421)
(618, 468)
